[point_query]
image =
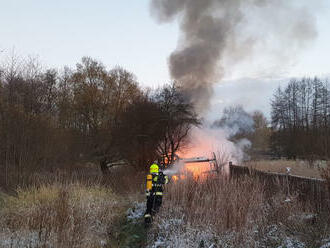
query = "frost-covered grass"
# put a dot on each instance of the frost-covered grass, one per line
(218, 212)
(73, 215)
(136, 212)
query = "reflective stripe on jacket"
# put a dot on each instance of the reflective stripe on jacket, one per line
(158, 181)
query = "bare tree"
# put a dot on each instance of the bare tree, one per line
(176, 120)
(260, 138)
(300, 119)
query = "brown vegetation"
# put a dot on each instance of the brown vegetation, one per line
(53, 120)
(301, 120)
(326, 176)
(55, 127)
(297, 167)
(235, 213)
(69, 209)
(57, 215)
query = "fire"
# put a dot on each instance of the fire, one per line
(207, 143)
(198, 170)
(204, 146)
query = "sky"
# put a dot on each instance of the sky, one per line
(123, 33)
(61, 32)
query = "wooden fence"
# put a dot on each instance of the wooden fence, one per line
(313, 192)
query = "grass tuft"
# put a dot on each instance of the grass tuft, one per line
(73, 215)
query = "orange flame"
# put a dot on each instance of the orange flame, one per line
(198, 170)
(205, 143)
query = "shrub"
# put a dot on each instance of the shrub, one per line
(59, 216)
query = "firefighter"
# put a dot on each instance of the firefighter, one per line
(154, 193)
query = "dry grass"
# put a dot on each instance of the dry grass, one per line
(299, 168)
(59, 216)
(232, 213)
(326, 176)
(222, 203)
(125, 180)
(68, 208)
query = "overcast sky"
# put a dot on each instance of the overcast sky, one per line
(123, 33)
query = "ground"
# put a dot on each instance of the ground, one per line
(193, 215)
(298, 167)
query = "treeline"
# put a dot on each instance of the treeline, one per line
(51, 119)
(301, 119)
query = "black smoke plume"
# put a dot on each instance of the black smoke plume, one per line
(212, 29)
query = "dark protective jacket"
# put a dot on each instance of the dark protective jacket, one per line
(158, 182)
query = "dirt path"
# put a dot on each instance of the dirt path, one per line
(132, 233)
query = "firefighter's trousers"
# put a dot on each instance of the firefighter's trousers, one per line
(154, 202)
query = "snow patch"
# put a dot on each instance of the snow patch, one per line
(292, 243)
(326, 243)
(136, 212)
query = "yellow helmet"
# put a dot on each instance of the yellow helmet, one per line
(154, 168)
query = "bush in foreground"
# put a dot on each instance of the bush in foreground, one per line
(57, 215)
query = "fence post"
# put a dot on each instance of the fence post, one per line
(288, 170)
(230, 169)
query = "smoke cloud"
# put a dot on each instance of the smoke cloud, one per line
(205, 142)
(219, 139)
(218, 33)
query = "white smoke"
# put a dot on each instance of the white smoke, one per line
(176, 168)
(205, 142)
(217, 139)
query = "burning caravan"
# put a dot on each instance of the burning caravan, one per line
(198, 166)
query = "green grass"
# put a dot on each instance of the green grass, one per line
(132, 234)
(125, 233)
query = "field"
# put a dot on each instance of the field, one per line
(298, 167)
(222, 212)
(69, 210)
(91, 210)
